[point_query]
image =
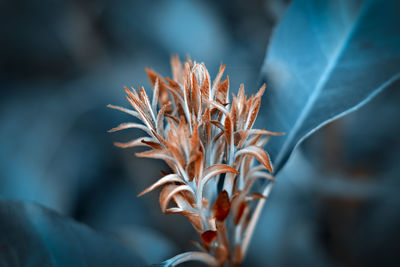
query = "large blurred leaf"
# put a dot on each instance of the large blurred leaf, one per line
(326, 59)
(152, 246)
(35, 236)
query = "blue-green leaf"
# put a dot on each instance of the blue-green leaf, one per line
(32, 235)
(326, 59)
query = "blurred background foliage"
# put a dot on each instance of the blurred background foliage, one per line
(61, 62)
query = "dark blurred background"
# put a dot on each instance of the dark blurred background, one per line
(336, 203)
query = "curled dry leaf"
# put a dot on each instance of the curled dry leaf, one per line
(170, 178)
(259, 154)
(213, 171)
(169, 191)
(205, 139)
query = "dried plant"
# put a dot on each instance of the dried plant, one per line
(206, 140)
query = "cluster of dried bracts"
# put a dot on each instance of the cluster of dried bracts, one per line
(206, 140)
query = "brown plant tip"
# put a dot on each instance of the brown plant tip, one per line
(221, 206)
(208, 237)
(242, 207)
(202, 135)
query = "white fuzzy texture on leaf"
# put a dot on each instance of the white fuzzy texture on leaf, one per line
(259, 154)
(170, 178)
(177, 189)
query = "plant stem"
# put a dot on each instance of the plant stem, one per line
(253, 221)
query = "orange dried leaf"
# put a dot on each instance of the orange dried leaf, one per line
(221, 206)
(260, 154)
(218, 124)
(195, 95)
(218, 106)
(129, 125)
(160, 117)
(222, 91)
(169, 191)
(253, 113)
(155, 154)
(133, 143)
(261, 91)
(228, 130)
(264, 132)
(163, 93)
(152, 144)
(191, 170)
(208, 237)
(205, 87)
(176, 67)
(128, 111)
(241, 210)
(238, 137)
(214, 170)
(171, 178)
(218, 78)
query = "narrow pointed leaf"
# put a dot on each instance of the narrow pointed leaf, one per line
(259, 154)
(155, 154)
(214, 170)
(228, 130)
(170, 178)
(264, 132)
(218, 79)
(166, 195)
(128, 111)
(137, 142)
(129, 125)
(216, 105)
